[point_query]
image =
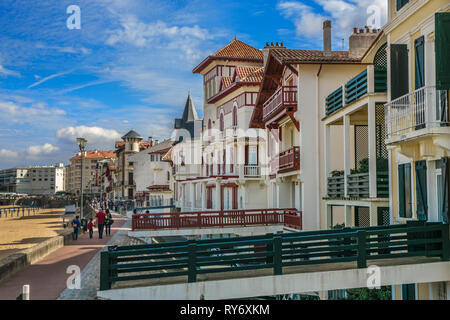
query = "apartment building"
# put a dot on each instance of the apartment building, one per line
(152, 175)
(417, 119)
(125, 186)
(289, 107)
(91, 171)
(36, 180)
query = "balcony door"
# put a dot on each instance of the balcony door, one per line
(419, 72)
(421, 190)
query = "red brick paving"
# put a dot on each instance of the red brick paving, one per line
(47, 277)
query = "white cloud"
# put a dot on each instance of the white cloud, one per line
(6, 72)
(96, 136)
(38, 112)
(44, 149)
(344, 14)
(183, 39)
(8, 154)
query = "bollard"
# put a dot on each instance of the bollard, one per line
(26, 292)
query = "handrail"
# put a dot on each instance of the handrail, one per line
(191, 258)
(208, 219)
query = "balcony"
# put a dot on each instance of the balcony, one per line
(289, 160)
(252, 171)
(356, 88)
(285, 97)
(357, 185)
(420, 109)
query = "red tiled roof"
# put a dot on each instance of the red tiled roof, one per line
(250, 74)
(312, 56)
(95, 154)
(226, 82)
(235, 50)
(239, 49)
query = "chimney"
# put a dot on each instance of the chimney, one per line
(150, 140)
(327, 37)
(271, 46)
(360, 41)
(156, 142)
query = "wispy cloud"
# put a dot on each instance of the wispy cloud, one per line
(88, 84)
(96, 136)
(48, 78)
(6, 72)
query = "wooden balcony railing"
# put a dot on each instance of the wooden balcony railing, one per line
(289, 160)
(285, 96)
(215, 219)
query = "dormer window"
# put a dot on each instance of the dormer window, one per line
(401, 3)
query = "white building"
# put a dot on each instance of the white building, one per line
(33, 180)
(152, 175)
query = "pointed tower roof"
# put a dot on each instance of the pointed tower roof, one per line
(189, 120)
(189, 113)
(132, 134)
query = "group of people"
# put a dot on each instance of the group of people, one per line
(104, 222)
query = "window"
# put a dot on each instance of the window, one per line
(404, 190)
(442, 49)
(409, 291)
(252, 155)
(235, 121)
(399, 70)
(401, 3)
(221, 122)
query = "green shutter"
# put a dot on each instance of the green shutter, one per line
(401, 3)
(399, 70)
(421, 190)
(419, 62)
(401, 191)
(445, 189)
(442, 49)
(409, 291)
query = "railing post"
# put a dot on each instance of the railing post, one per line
(445, 242)
(192, 270)
(362, 254)
(105, 282)
(277, 256)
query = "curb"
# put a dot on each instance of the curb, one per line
(18, 261)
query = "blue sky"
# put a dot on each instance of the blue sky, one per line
(130, 65)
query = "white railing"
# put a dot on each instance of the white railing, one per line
(423, 108)
(252, 171)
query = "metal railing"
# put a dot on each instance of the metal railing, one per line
(273, 251)
(423, 108)
(18, 211)
(285, 96)
(336, 187)
(211, 219)
(358, 185)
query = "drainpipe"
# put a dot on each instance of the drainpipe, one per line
(318, 149)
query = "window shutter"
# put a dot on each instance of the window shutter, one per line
(399, 70)
(421, 190)
(401, 3)
(442, 49)
(419, 62)
(401, 191)
(445, 189)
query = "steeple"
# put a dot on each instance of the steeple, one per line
(189, 113)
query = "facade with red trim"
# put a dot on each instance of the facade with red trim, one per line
(233, 169)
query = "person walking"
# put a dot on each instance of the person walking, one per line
(90, 227)
(76, 224)
(108, 222)
(100, 223)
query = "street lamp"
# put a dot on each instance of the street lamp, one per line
(81, 144)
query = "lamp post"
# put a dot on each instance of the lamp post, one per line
(81, 144)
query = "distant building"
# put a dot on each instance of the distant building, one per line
(125, 187)
(33, 179)
(152, 175)
(91, 171)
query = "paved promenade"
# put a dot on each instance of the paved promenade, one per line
(47, 278)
